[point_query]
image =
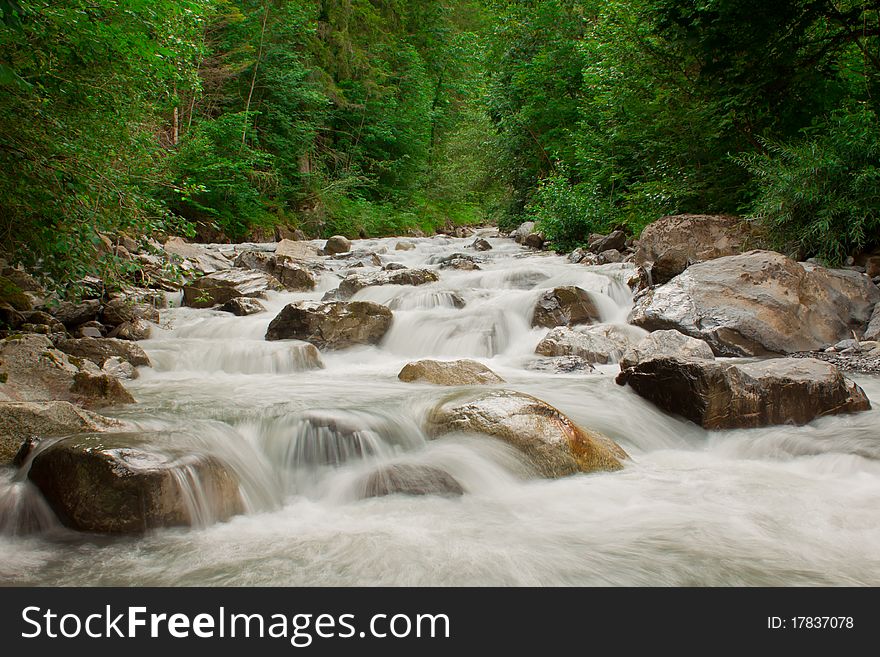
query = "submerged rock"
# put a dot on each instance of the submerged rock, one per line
(549, 440)
(565, 306)
(126, 484)
(331, 325)
(719, 395)
(449, 373)
(561, 364)
(666, 344)
(759, 303)
(410, 479)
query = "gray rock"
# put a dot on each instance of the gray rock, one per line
(135, 330)
(609, 255)
(332, 325)
(670, 244)
(481, 244)
(404, 246)
(448, 373)
(758, 303)
(549, 440)
(561, 364)
(73, 314)
(602, 343)
(201, 259)
(525, 229)
(614, 241)
(723, 395)
(872, 332)
(410, 479)
(666, 344)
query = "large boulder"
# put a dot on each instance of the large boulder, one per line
(670, 244)
(337, 244)
(22, 421)
(549, 440)
(525, 229)
(758, 303)
(331, 325)
(220, 287)
(666, 344)
(72, 313)
(198, 257)
(448, 373)
(481, 244)
(724, 395)
(358, 281)
(602, 343)
(123, 309)
(99, 350)
(564, 306)
(298, 251)
(127, 484)
(410, 479)
(32, 369)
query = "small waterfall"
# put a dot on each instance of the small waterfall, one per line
(23, 510)
(240, 357)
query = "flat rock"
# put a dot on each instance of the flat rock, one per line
(448, 373)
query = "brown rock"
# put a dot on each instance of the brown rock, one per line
(448, 373)
(331, 325)
(719, 395)
(564, 306)
(411, 479)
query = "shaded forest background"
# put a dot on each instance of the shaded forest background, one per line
(222, 119)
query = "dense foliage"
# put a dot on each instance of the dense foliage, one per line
(223, 119)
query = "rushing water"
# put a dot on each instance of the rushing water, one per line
(776, 506)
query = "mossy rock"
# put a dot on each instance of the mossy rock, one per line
(12, 294)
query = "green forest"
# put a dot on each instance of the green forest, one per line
(221, 120)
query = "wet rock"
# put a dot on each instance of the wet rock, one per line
(551, 442)
(331, 325)
(670, 244)
(21, 421)
(98, 350)
(242, 306)
(722, 395)
(564, 306)
(32, 369)
(125, 484)
(292, 274)
(410, 479)
(758, 303)
(602, 343)
(666, 344)
(577, 256)
(72, 314)
(358, 281)
(222, 286)
(481, 244)
(337, 244)
(614, 241)
(404, 246)
(561, 364)
(100, 390)
(201, 259)
(394, 266)
(448, 373)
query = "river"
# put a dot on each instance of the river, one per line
(775, 506)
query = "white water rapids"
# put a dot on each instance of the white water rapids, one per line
(775, 506)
